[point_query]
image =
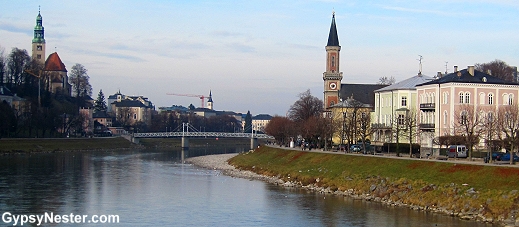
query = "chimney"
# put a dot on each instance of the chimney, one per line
(489, 72)
(470, 68)
(455, 68)
(439, 74)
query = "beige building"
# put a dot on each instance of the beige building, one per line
(441, 102)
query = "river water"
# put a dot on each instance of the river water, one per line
(153, 188)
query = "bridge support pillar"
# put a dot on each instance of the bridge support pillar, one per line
(185, 143)
(253, 143)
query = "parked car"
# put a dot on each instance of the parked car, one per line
(496, 156)
(355, 148)
(457, 151)
(506, 157)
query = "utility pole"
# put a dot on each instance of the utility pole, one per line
(39, 86)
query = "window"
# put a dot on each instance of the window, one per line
(333, 61)
(404, 101)
(445, 98)
(463, 120)
(490, 117)
(134, 116)
(38, 56)
(461, 97)
(511, 99)
(482, 98)
(445, 117)
(505, 99)
(401, 119)
(491, 99)
(39, 47)
(467, 97)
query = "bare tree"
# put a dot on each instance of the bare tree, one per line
(410, 128)
(306, 107)
(509, 125)
(365, 128)
(79, 80)
(17, 62)
(384, 80)
(491, 129)
(282, 128)
(3, 62)
(398, 129)
(469, 122)
(497, 68)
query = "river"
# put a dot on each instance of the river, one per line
(153, 188)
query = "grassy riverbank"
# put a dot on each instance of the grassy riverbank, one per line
(61, 144)
(458, 189)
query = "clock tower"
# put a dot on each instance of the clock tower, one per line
(38, 42)
(332, 77)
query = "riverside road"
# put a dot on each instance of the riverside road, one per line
(474, 161)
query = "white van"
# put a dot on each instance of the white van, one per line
(457, 151)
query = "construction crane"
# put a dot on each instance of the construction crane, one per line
(201, 97)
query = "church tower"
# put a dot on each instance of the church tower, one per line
(38, 42)
(210, 101)
(332, 77)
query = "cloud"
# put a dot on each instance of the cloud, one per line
(15, 29)
(427, 11)
(109, 55)
(242, 48)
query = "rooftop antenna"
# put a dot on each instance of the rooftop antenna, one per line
(446, 69)
(420, 60)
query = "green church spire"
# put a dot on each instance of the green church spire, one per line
(38, 30)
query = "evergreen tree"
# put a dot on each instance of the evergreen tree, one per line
(100, 103)
(248, 123)
(191, 107)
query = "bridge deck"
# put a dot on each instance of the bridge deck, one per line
(200, 134)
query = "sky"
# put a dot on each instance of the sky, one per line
(259, 55)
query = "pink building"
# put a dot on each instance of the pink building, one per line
(442, 103)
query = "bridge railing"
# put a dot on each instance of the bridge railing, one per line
(200, 134)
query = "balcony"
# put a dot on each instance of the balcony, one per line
(427, 106)
(426, 126)
(380, 126)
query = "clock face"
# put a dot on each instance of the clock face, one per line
(333, 85)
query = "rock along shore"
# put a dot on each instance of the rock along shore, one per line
(219, 162)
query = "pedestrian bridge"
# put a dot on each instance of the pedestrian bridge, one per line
(200, 135)
(189, 132)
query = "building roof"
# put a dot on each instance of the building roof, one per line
(262, 117)
(54, 63)
(100, 114)
(351, 102)
(129, 103)
(408, 84)
(464, 76)
(333, 38)
(363, 93)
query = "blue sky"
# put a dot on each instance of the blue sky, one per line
(259, 55)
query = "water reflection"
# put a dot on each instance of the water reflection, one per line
(155, 188)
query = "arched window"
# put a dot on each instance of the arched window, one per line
(511, 99)
(461, 97)
(445, 117)
(482, 98)
(505, 99)
(491, 99)
(467, 97)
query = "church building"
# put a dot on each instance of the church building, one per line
(55, 76)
